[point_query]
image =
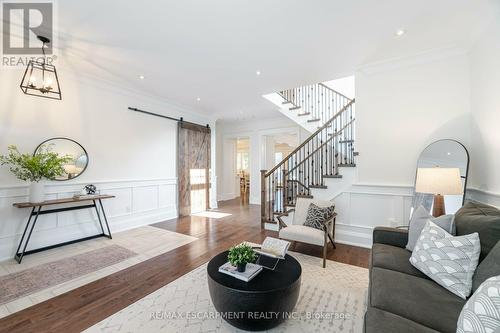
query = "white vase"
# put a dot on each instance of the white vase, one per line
(37, 192)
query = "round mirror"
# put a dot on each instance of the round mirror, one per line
(438, 165)
(65, 146)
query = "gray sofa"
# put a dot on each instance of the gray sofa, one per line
(402, 299)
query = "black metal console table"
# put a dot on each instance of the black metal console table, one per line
(36, 210)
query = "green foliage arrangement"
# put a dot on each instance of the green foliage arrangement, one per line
(45, 164)
(241, 255)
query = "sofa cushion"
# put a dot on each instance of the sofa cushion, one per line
(301, 233)
(393, 258)
(377, 321)
(480, 218)
(489, 267)
(414, 298)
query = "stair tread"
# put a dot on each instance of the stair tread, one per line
(294, 108)
(346, 141)
(351, 165)
(304, 114)
(332, 176)
(318, 186)
(313, 120)
(286, 102)
(304, 196)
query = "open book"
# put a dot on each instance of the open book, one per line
(273, 247)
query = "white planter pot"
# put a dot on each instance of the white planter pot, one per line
(37, 192)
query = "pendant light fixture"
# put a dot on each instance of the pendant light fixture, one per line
(40, 79)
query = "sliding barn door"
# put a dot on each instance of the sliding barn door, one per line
(193, 168)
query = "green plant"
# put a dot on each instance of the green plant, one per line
(241, 255)
(45, 164)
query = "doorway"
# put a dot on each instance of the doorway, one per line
(243, 168)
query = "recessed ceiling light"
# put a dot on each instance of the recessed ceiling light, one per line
(198, 99)
(141, 77)
(258, 73)
(400, 32)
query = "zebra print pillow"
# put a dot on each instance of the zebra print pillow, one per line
(317, 216)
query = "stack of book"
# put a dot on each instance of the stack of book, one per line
(250, 272)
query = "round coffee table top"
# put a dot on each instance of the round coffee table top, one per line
(285, 274)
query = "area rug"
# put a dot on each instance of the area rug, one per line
(31, 280)
(331, 300)
(146, 242)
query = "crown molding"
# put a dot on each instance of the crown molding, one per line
(421, 58)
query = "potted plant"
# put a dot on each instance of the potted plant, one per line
(241, 255)
(44, 165)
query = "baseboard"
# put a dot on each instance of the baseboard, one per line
(226, 196)
(44, 238)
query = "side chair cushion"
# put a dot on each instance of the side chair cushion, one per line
(301, 233)
(317, 216)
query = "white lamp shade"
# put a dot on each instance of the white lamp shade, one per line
(444, 181)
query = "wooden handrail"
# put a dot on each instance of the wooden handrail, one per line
(334, 135)
(310, 138)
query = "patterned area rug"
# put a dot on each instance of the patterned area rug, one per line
(331, 300)
(31, 280)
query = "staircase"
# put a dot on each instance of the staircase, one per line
(320, 157)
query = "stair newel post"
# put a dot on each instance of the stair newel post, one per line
(262, 197)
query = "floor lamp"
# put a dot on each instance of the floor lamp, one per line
(439, 182)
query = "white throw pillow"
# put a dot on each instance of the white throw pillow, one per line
(418, 220)
(450, 261)
(481, 313)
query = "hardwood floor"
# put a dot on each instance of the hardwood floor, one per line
(81, 308)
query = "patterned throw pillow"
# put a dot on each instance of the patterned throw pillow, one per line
(481, 313)
(317, 216)
(449, 261)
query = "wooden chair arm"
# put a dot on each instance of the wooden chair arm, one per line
(281, 223)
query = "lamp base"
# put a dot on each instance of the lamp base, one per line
(438, 206)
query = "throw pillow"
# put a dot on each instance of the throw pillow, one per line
(317, 216)
(418, 221)
(450, 261)
(481, 313)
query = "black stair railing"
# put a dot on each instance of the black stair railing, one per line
(306, 167)
(317, 101)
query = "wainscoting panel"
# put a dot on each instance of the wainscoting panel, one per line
(144, 198)
(137, 203)
(486, 197)
(361, 207)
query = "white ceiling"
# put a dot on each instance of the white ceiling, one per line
(212, 49)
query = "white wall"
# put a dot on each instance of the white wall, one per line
(131, 156)
(404, 105)
(485, 106)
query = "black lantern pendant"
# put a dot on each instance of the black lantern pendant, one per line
(40, 79)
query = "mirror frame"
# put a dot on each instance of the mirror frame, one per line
(466, 170)
(64, 138)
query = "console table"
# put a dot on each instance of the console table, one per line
(36, 210)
